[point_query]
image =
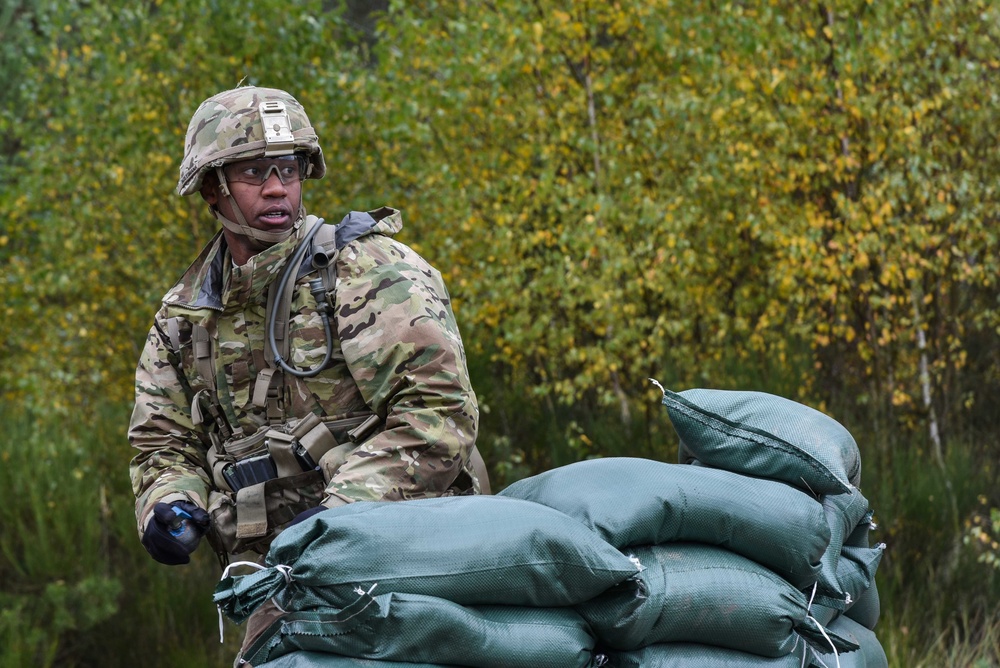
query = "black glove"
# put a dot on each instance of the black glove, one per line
(174, 532)
(306, 514)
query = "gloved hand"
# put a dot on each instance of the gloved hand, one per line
(174, 532)
(306, 514)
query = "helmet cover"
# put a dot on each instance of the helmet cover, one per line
(227, 127)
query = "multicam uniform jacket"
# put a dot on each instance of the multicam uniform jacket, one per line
(397, 352)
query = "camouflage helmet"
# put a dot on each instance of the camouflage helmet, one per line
(228, 127)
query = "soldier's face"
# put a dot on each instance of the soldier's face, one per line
(271, 206)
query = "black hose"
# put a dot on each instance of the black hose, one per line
(290, 269)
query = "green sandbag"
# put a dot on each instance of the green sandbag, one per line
(869, 654)
(865, 606)
(472, 550)
(847, 571)
(765, 436)
(867, 609)
(860, 536)
(823, 614)
(856, 570)
(303, 659)
(689, 655)
(631, 501)
(424, 629)
(690, 592)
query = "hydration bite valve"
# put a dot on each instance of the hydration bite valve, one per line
(318, 291)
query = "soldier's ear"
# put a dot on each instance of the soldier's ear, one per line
(210, 189)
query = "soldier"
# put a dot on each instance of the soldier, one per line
(296, 365)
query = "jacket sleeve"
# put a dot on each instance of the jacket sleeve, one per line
(403, 348)
(171, 463)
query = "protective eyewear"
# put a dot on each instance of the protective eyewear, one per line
(257, 171)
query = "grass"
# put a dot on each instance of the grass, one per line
(964, 643)
(941, 605)
(76, 587)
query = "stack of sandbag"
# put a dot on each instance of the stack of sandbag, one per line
(463, 581)
(767, 436)
(714, 607)
(756, 555)
(730, 565)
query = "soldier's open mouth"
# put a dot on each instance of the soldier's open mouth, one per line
(275, 217)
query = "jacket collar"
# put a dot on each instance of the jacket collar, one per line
(212, 282)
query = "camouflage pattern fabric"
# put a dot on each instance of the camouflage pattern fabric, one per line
(397, 352)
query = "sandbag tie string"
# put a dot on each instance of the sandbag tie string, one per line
(361, 592)
(286, 572)
(812, 596)
(836, 655)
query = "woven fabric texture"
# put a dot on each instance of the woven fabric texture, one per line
(632, 501)
(766, 436)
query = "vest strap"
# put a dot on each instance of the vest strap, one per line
(251, 512)
(281, 447)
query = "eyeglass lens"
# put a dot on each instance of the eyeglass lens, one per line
(256, 172)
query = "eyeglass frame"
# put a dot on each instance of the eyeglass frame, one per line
(234, 174)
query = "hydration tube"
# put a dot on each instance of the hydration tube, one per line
(320, 261)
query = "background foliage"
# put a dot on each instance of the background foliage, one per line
(792, 197)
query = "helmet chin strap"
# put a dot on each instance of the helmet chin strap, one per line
(260, 239)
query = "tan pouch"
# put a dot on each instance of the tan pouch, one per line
(284, 498)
